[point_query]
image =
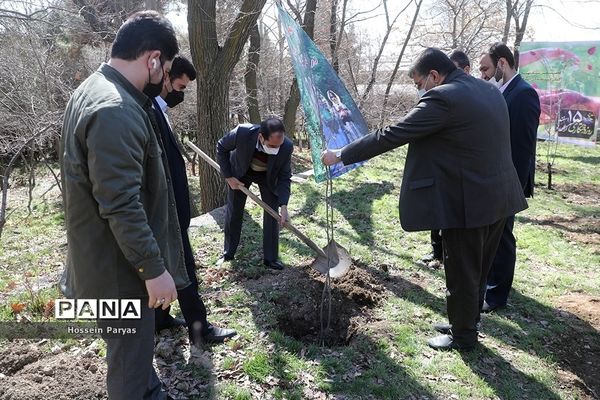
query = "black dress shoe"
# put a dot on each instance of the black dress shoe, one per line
(277, 265)
(218, 335)
(446, 342)
(431, 257)
(446, 329)
(442, 328)
(223, 259)
(488, 308)
(171, 323)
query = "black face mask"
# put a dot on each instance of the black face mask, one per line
(173, 98)
(153, 89)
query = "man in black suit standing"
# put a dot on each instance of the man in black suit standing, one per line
(523, 103)
(258, 154)
(192, 307)
(458, 177)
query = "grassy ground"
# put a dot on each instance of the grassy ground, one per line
(544, 345)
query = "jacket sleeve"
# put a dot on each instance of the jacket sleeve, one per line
(224, 147)
(116, 141)
(428, 117)
(524, 121)
(284, 180)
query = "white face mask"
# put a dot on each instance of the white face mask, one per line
(422, 91)
(496, 80)
(272, 151)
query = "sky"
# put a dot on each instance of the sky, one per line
(548, 25)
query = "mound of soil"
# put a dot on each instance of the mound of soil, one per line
(26, 373)
(298, 299)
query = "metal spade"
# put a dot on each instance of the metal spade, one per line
(339, 260)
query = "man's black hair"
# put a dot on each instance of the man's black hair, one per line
(431, 59)
(500, 50)
(145, 31)
(459, 58)
(182, 66)
(271, 125)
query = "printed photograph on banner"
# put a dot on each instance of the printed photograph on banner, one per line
(566, 77)
(333, 119)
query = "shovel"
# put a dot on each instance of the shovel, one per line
(333, 257)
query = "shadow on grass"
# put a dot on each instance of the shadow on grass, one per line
(552, 334)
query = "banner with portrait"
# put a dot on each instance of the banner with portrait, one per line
(332, 118)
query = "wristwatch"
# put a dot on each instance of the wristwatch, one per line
(338, 154)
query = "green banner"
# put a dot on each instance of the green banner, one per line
(332, 118)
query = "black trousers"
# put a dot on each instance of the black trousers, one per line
(436, 243)
(130, 373)
(501, 274)
(468, 256)
(190, 302)
(236, 200)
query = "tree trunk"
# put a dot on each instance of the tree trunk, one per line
(291, 109)
(213, 109)
(250, 78)
(215, 64)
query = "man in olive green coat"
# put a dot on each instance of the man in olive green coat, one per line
(122, 228)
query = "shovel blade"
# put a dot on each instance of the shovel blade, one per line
(338, 262)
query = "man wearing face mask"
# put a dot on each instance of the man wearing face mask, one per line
(498, 66)
(120, 216)
(191, 304)
(258, 154)
(458, 177)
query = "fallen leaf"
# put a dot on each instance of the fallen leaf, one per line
(17, 307)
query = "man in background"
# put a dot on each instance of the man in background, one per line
(192, 307)
(120, 218)
(498, 65)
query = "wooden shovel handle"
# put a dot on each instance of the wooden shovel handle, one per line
(261, 203)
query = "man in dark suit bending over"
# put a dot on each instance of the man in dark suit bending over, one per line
(458, 177)
(258, 154)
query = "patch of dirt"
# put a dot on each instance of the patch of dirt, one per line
(298, 298)
(584, 306)
(26, 373)
(578, 348)
(581, 193)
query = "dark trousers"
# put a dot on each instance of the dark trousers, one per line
(130, 373)
(436, 243)
(468, 256)
(501, 274)
(236, 200)
(190, 302)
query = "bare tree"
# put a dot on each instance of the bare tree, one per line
(389, 27)
(215, 63)
(388, 89)
(250, 76)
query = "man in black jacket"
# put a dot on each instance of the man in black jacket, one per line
(191, 304)
(523, 103)
(258, 154)
(458, 177)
